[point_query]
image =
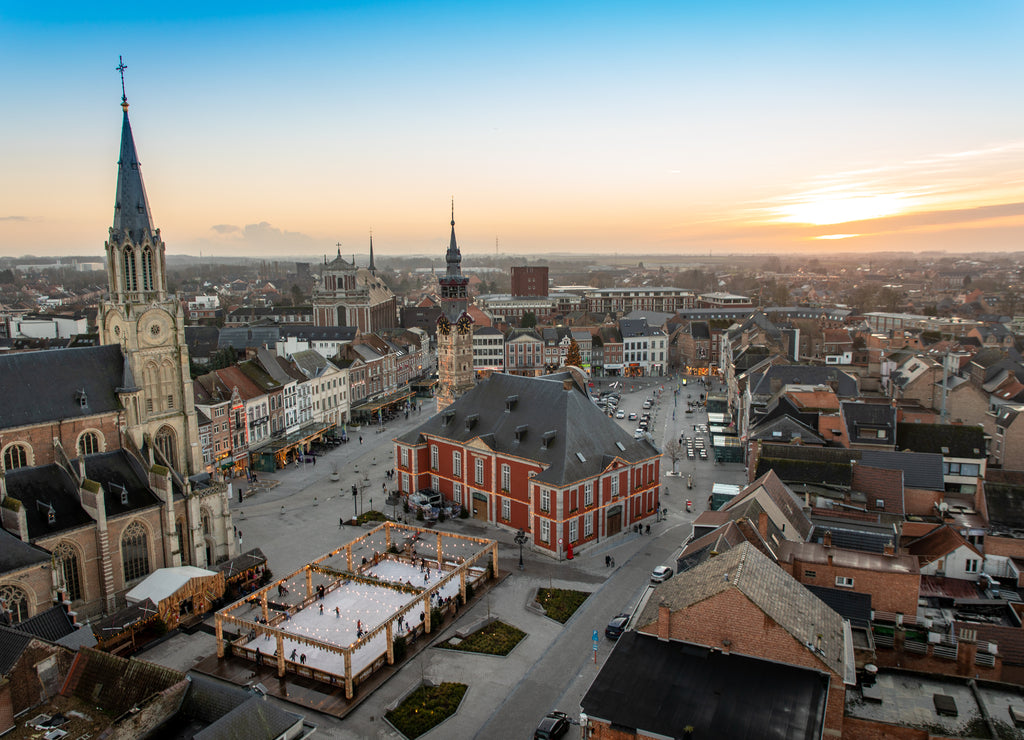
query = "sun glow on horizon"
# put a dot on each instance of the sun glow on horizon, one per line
(835, 208)
(837, 236)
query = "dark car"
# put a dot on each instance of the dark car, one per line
(553, 726)
(616, 627)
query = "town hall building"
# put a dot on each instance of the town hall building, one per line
(535, 454)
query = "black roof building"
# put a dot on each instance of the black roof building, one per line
(661, 688)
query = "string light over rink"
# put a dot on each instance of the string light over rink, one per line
(332, 619)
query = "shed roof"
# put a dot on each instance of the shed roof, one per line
(164, 582)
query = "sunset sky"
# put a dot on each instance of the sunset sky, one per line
(677, 127)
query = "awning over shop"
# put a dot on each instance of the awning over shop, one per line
(372, 407)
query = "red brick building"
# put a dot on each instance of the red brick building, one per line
(529, 281)
(742, 602)
(535, 454)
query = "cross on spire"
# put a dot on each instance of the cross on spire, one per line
(121, 67)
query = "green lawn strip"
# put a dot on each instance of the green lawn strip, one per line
(497, 638)
(560, 603)
(426, 707)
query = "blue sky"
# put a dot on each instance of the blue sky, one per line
(666, 127)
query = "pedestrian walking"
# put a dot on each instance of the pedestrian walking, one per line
(321, 610)
(360, 439)
(302, 659)
(314, 461)
(337, 613)
(607, 560)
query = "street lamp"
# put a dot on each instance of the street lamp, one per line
(520, 540)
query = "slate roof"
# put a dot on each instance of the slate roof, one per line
(784, 429)
(15, 554)
(12, 644)
(661, 688)
(116, 684)
(846, 385)
(776, 593)
(256, 719)
(585, 441)
(40, 488)
(1005, 505)
(38, 387)
(920, 469)
(118, 471)
(710, 545)
(52, 624)
(243, 337)
(850, 605)
(863, 420)
(131, 207)
(959, 440)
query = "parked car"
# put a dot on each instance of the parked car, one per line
(632, 416)
(553, 726)
(638, 433)
(616, 627)
(661, 574)
(620, 414)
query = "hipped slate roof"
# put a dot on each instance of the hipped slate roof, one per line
(15, 554)
(580, 429)
(771, 589)
(38, 387)
(959, 440)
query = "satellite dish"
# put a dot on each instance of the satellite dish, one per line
(943, 507)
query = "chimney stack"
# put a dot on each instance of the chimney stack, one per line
(762, 525)
(827, 540)
(889, 549)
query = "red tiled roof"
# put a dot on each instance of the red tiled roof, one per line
(913, 530)
(952, 588)
(824, 400)
(938, 544)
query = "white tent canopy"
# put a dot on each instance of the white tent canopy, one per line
(164, 582)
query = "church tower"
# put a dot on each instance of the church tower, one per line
(149, 324)
(454, 330)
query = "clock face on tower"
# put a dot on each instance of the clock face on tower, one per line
(463, 324)
(444, 325)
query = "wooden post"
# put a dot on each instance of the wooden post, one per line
(263, 604)
(309, 581)
(440, 551)
(391, 642)
(280, 654)
(348, 557)
(426, 613)
(387, 536)
(348, 674)
(462, 582)
(494, 560)
(220, 635)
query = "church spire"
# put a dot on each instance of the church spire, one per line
(373, 268)
(131, 207)
(454, 257)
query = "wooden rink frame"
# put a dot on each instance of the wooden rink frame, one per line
(461, 568)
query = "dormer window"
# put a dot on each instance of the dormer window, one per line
(471, 421)
(521, 432)
(82, 398)
(510, 402)
(548, 438)
(446, 417)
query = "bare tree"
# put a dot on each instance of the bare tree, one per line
(674, 451)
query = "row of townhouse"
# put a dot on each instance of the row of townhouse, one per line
(272, 397)
(632, 348)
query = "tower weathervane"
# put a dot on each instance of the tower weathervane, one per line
(121, 67)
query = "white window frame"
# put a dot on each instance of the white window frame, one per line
(434, 457)
(615, 485)
(457, 493)
(545, 500)
(479, 471)
(506, 477)
(405, 457)
(588, 493)
(457, 463)
(844, 581)
(971, 565)
(405, 483)
(588, 524)
(574, 530)
(435, 483)
(545, 530)
(506, 509)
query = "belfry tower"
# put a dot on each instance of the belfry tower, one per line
(149, 324)
(454, 329)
